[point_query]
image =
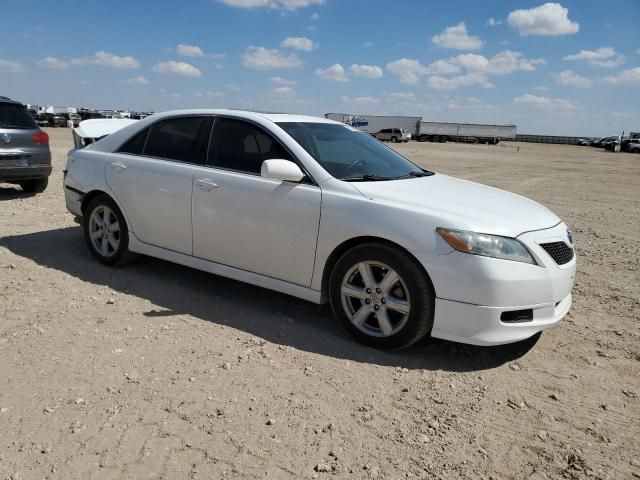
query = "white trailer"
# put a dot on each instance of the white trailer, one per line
(374, 123)
(466, 132)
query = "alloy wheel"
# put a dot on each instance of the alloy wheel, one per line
(104, 231)
(375, 299)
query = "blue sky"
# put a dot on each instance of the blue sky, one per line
(569, 68)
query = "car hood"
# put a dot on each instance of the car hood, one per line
(462, 204)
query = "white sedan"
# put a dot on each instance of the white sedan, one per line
(319, 210)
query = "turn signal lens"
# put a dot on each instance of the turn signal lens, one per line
(485, 245)
(40, 138)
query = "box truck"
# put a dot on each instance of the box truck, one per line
(463, 132)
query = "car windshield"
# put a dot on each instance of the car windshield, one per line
(349, 154)
(15, 116)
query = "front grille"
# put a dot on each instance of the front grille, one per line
(559, 251)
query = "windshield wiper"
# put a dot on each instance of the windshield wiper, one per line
(367, 178)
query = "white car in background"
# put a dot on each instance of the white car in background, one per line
(321, 211)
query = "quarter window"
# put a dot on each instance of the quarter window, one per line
(176, 139)
(239, 145)
(135, 144)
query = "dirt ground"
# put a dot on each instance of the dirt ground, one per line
(158, 371)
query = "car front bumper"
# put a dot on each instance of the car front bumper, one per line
(473, 292)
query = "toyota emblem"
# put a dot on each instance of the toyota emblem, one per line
(7, 138)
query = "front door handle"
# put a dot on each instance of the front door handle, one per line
(119, 166)
(206, 184)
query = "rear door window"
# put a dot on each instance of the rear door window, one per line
(13, 115)
(177, 139)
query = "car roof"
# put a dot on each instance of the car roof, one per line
(114, 140)
(8, 100)
(247, 114)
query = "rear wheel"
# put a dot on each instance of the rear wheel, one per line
(105, 231)
(35, 186)
(394, 139)
(381, 296)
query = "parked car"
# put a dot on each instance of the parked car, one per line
(602, 142)
(633, 146)
(92, 130)
(320, 210)
(585, 141)
(57, 121)
(25, 158)
(42, 120)
(393, 135)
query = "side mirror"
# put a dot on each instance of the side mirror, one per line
(284, 170)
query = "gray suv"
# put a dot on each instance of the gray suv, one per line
(25, 158)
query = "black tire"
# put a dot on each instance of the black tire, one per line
(394, 139)
(121, 255)
(421, 294)
(35, 186)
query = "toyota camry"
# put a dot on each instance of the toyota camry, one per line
(319, 210)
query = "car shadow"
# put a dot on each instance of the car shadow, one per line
(272, 316)
(13, 192)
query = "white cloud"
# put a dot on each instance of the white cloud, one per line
(467, 80)
(360, 101)
(282, 91)
(548, 104)
(441, 67)
(402, 97)
(177, 68)
(408, 70)
(547, 19)
(371, 44)
(209, 94)
(478, 68)
(314, 16)
(262, 58)
(457, 37)
(53, 63)
(366, 71)
(298, 43)
(10, 66)
(625, 77)
(602, 57)
(107, 59)
(139, 80)
(571, 79)
(282, 81)
(541, 88)
(334, 73)
(502, 63)
(289, 5)
(189, 50)
(492, 22)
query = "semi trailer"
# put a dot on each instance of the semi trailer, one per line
(428, 131)
(463, 132)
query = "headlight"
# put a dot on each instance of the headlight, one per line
(487, 245)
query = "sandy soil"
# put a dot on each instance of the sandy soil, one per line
(158, 371)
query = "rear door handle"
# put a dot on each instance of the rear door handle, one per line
(118, 166)
(206, 184)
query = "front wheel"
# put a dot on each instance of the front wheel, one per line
(381, 296)
(394, 139)
(105, 231)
